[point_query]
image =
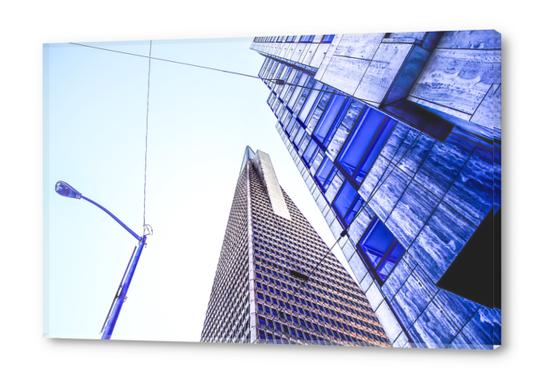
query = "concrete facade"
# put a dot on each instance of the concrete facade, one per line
(429, 175)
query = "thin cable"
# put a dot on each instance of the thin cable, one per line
(281, 309)
(167, 60)
(343, 233)
(276, 80)
(297, 288)
(147, 137)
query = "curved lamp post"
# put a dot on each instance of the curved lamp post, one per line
(64, 189)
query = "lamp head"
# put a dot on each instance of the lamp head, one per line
(64, 189)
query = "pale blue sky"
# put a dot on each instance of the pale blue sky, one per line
(199, 124)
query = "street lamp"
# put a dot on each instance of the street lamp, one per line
(66, 190)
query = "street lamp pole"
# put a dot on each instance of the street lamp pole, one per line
(66, 190)
(120, 296)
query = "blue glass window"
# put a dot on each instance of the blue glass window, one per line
(292, 128)
(286, 73)
(347, 203)
(317, 160)
(286, 118)
(335, 183)
(325, 173)
(317, 110)
(303, 145)
(310, 101)
(330, 119)
(338, 135)
(306, 39)
(365, 143)
(327, 38)
(380, 248)
(278, 73)
(300, 84)
(280, 111)
(309, 152)
(271, 98)
(303, 96)
(355, 110)
(297, 139)
(291, 88)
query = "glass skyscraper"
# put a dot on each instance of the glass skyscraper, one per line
(276, 280)
(397, 136)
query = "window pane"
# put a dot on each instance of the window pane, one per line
(303, 96)
(310, 102)
(353, 211)
(338, 138)
(381, 248)
(379, 238)
(336, 182)
(316, 164)
(375, 151)
(365, 143)
(317, 111)
(329, 118)
(298, 89)
(304, 143)
(361, 140)
(323, 173)
(292, 128)
(298, 136)
(309, 152)
(346, 198)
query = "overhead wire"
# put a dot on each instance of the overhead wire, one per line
(146, 140)
(238, 73)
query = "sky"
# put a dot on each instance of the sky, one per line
(200, 121)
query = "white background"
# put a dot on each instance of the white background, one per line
(25, 26)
